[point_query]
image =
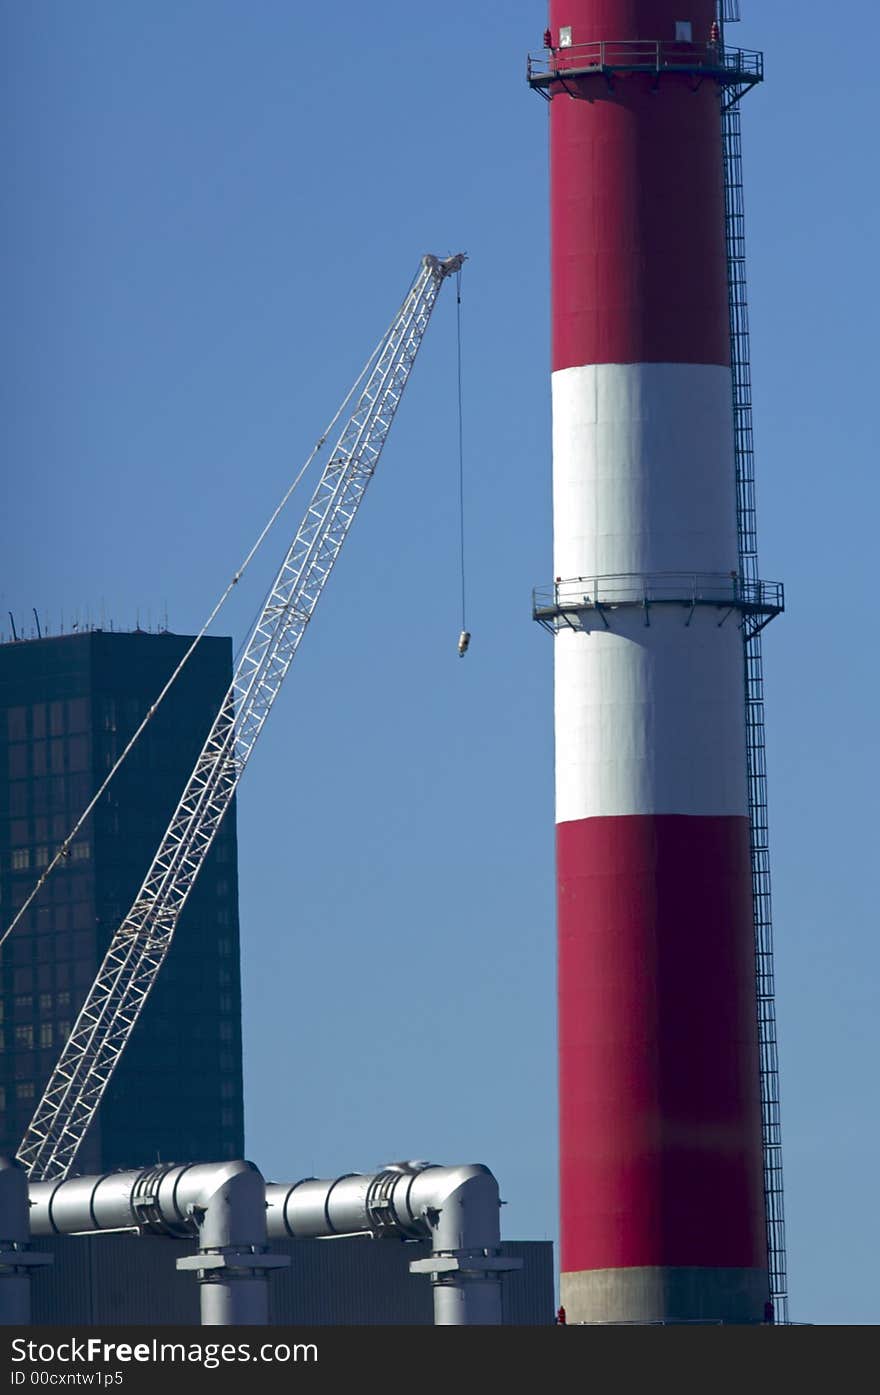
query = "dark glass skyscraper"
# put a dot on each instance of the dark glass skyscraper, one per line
(68, 704)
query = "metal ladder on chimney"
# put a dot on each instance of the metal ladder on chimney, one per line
(754, 693)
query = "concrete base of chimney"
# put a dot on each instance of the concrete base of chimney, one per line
(665, 1295)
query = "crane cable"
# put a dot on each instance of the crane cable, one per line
(63, 851)
(464, 638)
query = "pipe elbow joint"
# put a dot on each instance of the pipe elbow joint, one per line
(230, 1207)
(461, 1206)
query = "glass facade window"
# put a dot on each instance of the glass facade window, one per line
(68, 705)
(16, 724)
(79, 791)
(78, 714)
(78, 754)
(18, 762)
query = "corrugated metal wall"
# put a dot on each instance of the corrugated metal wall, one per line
(121, 1279)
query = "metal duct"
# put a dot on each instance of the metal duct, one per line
(221, 1204)
(456, 1208)
(232, 1213)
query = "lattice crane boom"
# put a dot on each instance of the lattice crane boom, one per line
(138, 947)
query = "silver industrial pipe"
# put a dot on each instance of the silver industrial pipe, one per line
(222, 1204)
(456, 1208)
(16, 1258)
(233, 1213)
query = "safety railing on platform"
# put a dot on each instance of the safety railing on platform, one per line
(736, 65)
(757, 599)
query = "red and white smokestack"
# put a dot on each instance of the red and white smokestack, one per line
(661, 1146)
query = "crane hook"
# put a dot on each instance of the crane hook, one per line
(464, 640)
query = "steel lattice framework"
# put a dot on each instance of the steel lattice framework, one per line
(138, 947)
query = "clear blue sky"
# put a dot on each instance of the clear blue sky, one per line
(212, 208)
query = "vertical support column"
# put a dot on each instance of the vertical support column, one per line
(460, 1206)
(229, 1208)
(16, 1259)
(660, 1111)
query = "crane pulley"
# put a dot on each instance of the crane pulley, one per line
(139, 945)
